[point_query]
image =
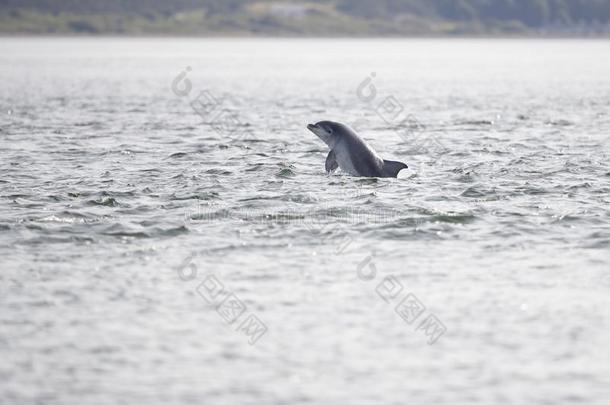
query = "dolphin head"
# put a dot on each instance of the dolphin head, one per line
(327, 131)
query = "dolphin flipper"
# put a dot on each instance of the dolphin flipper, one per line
(331, 162)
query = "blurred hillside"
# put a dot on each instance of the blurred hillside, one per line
(306, 18)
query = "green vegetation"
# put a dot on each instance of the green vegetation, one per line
(306, 18)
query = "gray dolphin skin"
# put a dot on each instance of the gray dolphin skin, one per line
(351, 153)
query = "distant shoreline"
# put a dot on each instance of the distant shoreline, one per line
(342, 37)
(266, 20)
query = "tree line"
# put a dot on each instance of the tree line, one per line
(532, 13)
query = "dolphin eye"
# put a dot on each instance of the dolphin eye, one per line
(330, 130)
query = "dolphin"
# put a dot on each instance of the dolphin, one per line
(351, 153)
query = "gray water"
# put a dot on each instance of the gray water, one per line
(129, 209)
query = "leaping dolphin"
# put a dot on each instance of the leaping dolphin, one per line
(351, 153)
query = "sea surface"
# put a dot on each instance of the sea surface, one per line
(168, 234)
